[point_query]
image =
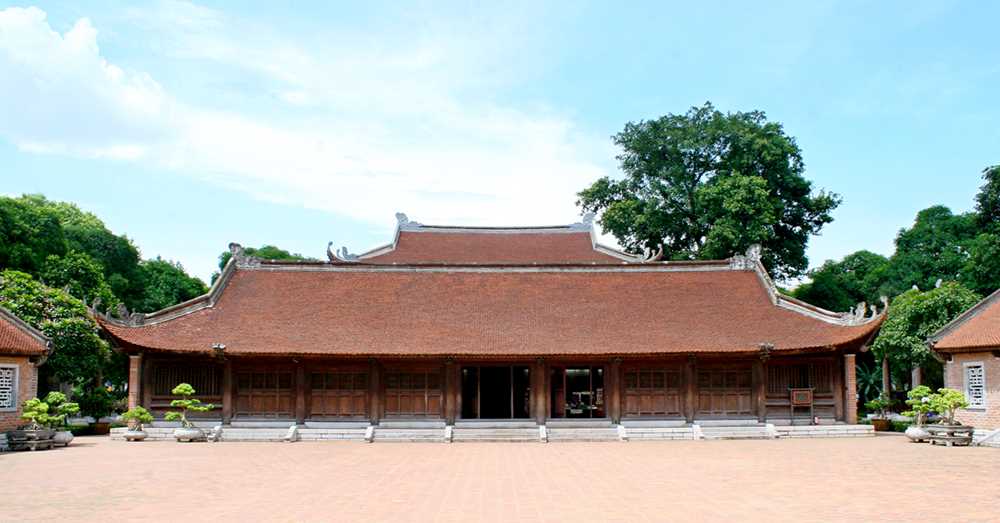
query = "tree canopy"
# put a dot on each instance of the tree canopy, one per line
(840, 285)
(708, 184)
(266, 252)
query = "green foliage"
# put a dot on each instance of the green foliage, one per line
(97, 402)
(920, 402)
(79, 354)
(881, 405)
(914, 317)
(186, 403)
(936, 247)
(982, 270)
(988, 200)
(137, 414)
(869, 381)
(946, 402)
(37, 412)
(707, 185)
(50, 412)
(165, 283)
(840, 285)
(79, 274)
(266, 252)
(28, 235)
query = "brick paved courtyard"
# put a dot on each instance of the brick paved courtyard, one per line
(804, 480)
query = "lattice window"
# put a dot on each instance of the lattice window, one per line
(975, 385)
(206, 379)
(8, 388)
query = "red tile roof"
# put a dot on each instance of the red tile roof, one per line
(500, 311)
(493, 247)
(977, 328)
(17, 337)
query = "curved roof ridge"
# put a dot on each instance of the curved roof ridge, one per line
(20, 336)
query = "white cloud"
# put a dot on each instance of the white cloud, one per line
(367, 128)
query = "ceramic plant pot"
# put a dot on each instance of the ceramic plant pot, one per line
(136, 435)
(916, 433)
(62, 437)
(189, 434)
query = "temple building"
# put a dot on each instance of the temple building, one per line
(22, 350)
(531, 324)
(970, 346)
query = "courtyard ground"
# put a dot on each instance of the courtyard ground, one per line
(866, 479)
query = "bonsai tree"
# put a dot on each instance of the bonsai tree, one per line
(880, 405)
(59, 410)
(95, 401)
(919, 400)
(186, 403)
(36, 412)
(136, 417)
(946, 402)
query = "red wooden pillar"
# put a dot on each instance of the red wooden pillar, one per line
(146, 387)
(134, 379)
(838, 375)
(300, 393)
(539, 391)
(227, 391)
(850, 390)
(449, 391)
(691, 388)
(614, 391)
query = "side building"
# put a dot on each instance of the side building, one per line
(517, 323)
(970, 346)
(22, 350)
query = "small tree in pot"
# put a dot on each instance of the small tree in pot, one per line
(187, 431)
(919, 400)
(60, 410)
(881, 406)
(136, 417)
(946, 402)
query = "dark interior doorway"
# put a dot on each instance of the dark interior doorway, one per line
(496, 392)
(577, 392)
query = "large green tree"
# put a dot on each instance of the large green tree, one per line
(265, 252)
(708, 184)
(840, 285)
(988, 199)
(914, 317)
(937, 246)
(28, 235)
(165, 283)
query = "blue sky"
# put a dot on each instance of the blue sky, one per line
(187, 126)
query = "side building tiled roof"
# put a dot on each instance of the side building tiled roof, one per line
(492, 311)
(976, 329)
(19, 338)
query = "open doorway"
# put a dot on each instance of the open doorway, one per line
(496, 392)
(577, 392)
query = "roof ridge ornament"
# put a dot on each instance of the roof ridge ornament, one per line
(648, 256)
(748, 261)
(403, 221)
(243, 260)
(341, 255)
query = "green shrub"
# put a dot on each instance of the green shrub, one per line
(186, 403)
(946, 402)
(919, 400)
(139, 415)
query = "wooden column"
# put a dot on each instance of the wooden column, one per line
(134, 380)
(837, 388)
(758, 376)
(146, 388)
(886, 377)
(539, 391)
(614, 385)
(691, 388)
(850, 390)
(449, 392)
(916, 377)
(227, 391)
(300, 393)
(374, 392)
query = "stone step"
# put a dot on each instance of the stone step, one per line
(500, 434)
(353, 434)
(825, 431)
(748, 432)
(417, 434)
(662, 433)
(583, 434)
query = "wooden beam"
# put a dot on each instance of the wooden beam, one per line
(449, 391)
(614, 387)
(300, 393)
(691, 388)
(227, 391)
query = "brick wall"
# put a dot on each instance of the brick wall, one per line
(954, 378)
(27, 389)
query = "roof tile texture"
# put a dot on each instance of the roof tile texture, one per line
(981, 331)
(491, 313)
(14, 340)
(494, 248)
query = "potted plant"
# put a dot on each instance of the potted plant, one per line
(35, 434)
(97, 403)
(187, 431)
(59, 412)
(881, 406)
(919, 400)
(946, 402)
(136, 417)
